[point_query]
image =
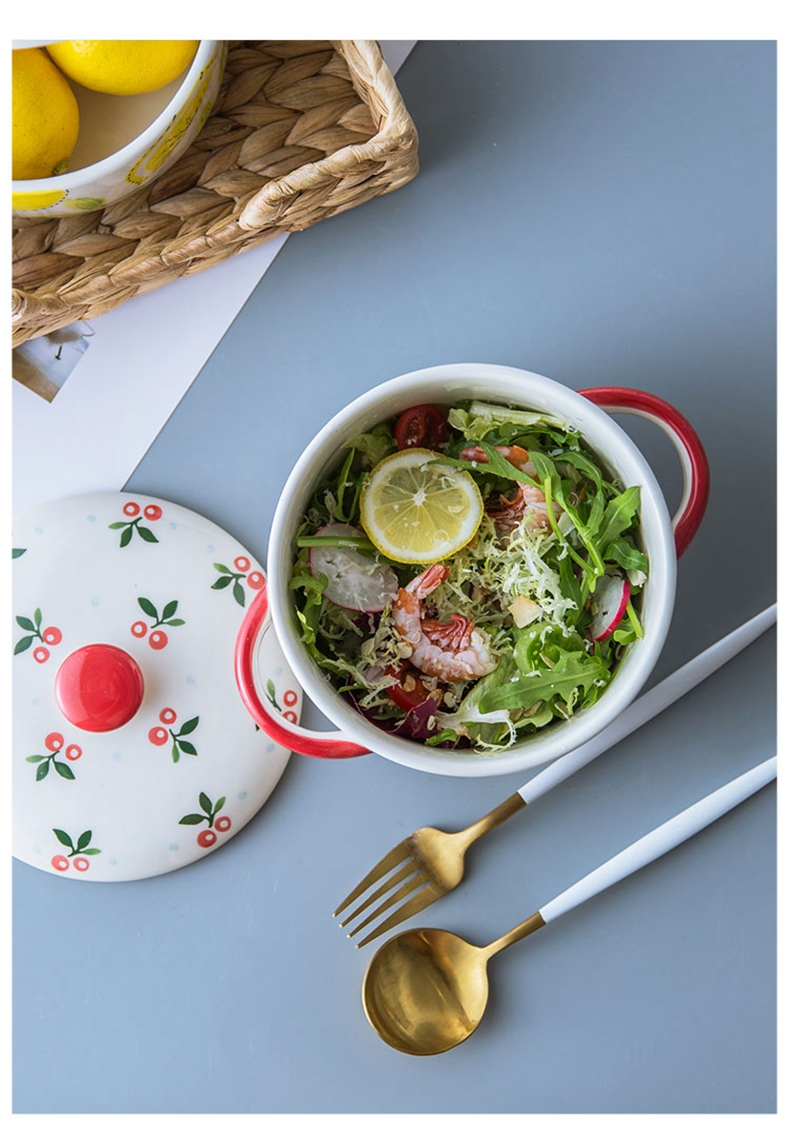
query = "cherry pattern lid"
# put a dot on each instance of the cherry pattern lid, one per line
(133, 753)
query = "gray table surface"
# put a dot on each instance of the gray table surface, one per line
(602, 213)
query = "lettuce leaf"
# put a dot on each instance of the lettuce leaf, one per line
(482, 417)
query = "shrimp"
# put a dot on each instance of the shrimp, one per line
(528, 500)
(449, 650)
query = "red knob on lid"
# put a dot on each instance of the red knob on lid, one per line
(99, 688)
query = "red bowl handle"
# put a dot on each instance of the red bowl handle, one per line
(696, 471)
(320, 745)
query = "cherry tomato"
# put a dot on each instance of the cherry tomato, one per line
(409, 691)
(421, 427)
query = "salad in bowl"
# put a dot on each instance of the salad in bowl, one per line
(469, 573)
(471, 570)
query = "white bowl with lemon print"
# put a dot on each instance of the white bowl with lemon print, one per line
(125, 141)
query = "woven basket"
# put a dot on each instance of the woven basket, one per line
(301, 130)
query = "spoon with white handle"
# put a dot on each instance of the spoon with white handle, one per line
(426, 990)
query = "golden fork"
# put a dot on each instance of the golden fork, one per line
(427, 864)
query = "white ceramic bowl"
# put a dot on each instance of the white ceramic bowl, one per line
(125, 141)
(663, 540)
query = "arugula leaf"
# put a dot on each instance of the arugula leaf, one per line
(621, 553)
(344, 483)
(573, 672)
(550, 477)
(496, 465)
(618, 516)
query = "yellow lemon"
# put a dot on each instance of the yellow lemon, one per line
(45, 119)
(417, 510)
(123, 67)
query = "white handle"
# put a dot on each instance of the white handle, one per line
(650, 704)
(662, 839)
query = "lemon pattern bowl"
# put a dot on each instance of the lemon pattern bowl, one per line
(126, 141)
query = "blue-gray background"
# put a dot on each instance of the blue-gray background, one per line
(602, 213)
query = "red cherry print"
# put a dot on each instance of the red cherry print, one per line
(290, 716)
(207, 838)
(73, 751)
(41, 655)
(60, 862)
(158, 736)
(168, 716)
(242, 563)
(81, 863)
(131, 509)
(54, 741)
(139, 628)
(289, 698)
(256, 580)
(158, 639)
(52, 636)
(152, 512)
(223, 823)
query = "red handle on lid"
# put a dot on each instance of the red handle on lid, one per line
(99, 688)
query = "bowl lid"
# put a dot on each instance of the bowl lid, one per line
(133, 754)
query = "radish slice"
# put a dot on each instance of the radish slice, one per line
(610, 601)
(355, 581)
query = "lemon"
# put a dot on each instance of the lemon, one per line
(417, 510)
(45, 119)
(123, 67)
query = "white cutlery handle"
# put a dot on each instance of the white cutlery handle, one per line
(662, 839)
(650, 704)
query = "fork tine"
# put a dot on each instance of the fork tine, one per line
(402, 872)
(397, 855)
(424, 898)
(414, 883)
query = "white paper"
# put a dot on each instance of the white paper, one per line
(138, 362)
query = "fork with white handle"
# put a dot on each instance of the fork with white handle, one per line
(427, 864)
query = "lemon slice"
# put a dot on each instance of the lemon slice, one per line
(416, 512)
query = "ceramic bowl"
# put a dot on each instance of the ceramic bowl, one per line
(664, 538)
(126, 141)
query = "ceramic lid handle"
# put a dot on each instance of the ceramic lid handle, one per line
(99, 688)
(319, 745)
(696, 472)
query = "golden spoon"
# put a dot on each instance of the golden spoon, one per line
(426, 990)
